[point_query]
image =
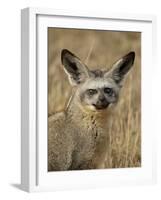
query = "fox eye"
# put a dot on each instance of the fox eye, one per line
(108, 91)
(91, 91)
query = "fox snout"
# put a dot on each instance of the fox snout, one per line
(101, 103)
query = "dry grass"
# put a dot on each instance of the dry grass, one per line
(99, 49)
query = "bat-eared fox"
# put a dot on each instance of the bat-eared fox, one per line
(78, 137)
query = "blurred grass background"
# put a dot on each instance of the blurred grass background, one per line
(100, 49)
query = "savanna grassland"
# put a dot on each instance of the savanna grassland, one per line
(99, 49)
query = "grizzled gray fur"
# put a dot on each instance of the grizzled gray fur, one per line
(78, 137)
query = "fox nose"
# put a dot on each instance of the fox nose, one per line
(102, 99)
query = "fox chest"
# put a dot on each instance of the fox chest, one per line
(87, 146)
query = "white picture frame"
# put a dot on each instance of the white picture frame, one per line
(34, 175)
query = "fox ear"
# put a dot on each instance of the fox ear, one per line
(121, 67)
(77, 71)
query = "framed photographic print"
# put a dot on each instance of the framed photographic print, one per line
(86, 108)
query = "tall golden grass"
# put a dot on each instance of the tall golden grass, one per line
(99, 49)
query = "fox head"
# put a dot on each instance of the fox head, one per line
(96, 89)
